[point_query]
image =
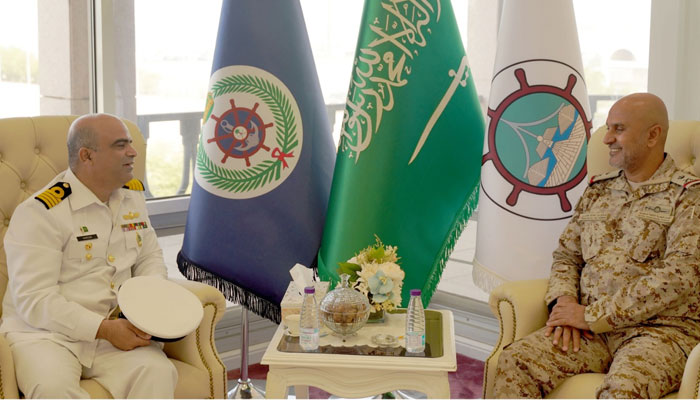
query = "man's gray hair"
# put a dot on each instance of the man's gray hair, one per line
(79, 135)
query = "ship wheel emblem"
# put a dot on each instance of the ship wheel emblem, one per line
(252, 133)
(240, 132)
(537, 138)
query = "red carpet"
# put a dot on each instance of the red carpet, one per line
(465, 383)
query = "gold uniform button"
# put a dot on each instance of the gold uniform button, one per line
(88, 246)
(88, 256)
(111, 285)
(110, 258)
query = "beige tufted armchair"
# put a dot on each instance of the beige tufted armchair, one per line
(32, 152)
(520, 305)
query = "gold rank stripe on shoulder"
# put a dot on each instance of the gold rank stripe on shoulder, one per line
(607, 175)
(134, 184)
(54, 195)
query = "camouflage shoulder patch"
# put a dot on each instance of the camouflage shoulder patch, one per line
(54, 195)
(684, 179)
(605, 176)
(134, 184)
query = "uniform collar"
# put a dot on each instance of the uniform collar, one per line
(82, 196)
(658, 182)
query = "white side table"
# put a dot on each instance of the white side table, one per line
(360, 375)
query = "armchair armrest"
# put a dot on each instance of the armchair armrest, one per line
(8, 382)
(690, 383)
(198, 349)
(520, 309)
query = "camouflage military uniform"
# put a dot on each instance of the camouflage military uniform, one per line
(631, 257)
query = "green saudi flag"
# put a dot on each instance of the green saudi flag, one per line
(409, 157)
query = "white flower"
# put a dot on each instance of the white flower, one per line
(380, 278)
(388, 271)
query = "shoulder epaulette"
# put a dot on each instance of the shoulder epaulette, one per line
(54, 195)
(134, 184)
(684, 179)
(602, 177)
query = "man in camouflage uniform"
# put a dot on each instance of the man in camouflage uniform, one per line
(623, 289)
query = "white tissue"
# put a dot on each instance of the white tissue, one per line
(302, 277)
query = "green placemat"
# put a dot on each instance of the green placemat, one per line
(433, 342)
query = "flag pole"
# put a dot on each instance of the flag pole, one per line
(245, 389)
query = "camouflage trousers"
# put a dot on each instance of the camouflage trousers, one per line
(638, 363)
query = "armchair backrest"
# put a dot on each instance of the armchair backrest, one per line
(32, 152)
(683, 144)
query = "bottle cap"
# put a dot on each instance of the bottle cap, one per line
(309, 290)
(415, 292)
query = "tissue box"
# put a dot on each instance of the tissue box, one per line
(291, 302)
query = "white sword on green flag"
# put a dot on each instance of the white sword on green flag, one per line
(457, 80)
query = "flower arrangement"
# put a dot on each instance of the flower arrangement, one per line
(375, 272)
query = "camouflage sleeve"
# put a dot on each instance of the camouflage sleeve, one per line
(668, 284)
(567, 260)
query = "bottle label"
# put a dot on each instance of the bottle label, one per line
(309, 338)
(415, 342)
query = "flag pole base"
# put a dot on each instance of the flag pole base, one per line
(245, 390)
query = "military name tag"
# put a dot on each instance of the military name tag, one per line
(658, 213)
(594, 216)
(86, 237)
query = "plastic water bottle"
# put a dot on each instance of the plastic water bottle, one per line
(308, 321)
(415, 324)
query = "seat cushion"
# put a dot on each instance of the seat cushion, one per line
(192, 383)
(95, 390)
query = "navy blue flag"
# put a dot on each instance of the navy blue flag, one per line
(264, 161)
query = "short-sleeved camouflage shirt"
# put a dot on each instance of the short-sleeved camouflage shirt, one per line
(631, 255)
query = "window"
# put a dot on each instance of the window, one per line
(615, 51)
(19, 63)
(161, 59)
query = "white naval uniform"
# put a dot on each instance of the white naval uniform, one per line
(65, 266)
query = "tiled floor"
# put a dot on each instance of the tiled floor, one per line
(456, 278)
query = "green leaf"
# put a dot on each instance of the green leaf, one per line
(376, 253)
(349, 268)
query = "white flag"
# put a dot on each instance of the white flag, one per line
(534, 165)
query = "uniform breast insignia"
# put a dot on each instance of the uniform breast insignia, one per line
(134, 226)
(54, 195)
(605, 176)
(131, 215)
(134, 184)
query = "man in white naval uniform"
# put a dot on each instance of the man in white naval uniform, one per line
(69, 248)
